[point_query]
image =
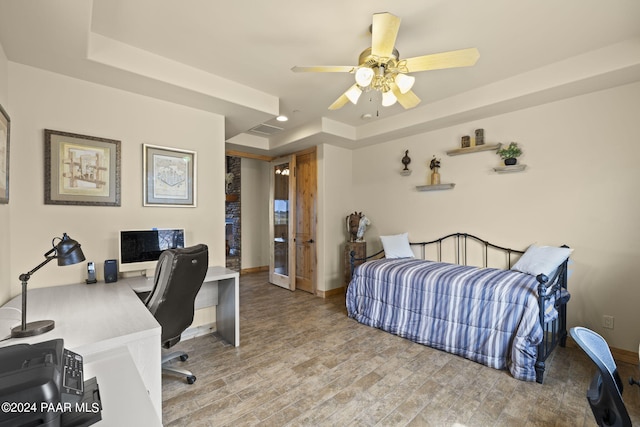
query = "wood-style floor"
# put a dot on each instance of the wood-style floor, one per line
(303, 362)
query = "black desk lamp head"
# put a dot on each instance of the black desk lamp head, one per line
(67, 251)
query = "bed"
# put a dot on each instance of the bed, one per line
(505, 318)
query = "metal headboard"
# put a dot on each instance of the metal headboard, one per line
(460, 246)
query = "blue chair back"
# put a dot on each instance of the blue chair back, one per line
(605, 391)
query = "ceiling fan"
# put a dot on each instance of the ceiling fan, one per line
(380, 67)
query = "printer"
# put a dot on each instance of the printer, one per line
(43, 384)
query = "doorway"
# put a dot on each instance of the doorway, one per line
(292, 221)
(282, 213)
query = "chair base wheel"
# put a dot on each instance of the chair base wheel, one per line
(168, 367)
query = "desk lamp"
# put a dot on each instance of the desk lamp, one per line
(67, 252)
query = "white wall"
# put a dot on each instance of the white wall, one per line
(5, 226)
(580, 188)
(4, 78)
(254, 199)
(43, 100)
(335, 202)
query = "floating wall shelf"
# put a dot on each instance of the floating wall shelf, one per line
(474, 149)
(510, 169)
(435, 187)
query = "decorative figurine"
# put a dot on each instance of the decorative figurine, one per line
(435, 175)
(362, 227)
(479, 136)
(356, 226)
(466, 141)
(406, 160)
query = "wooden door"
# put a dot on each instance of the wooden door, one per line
(306, 195)
(282, 213)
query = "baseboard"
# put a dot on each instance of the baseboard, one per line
(625, 356)
(198, 331)
(254, 269)
(620, 355)
(330, 292)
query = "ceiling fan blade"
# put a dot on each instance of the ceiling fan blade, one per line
(325, 69)
(384, 31)
(339, 103)
(437, 61)
(407, 99)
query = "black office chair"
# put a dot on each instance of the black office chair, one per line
(605, 392)
(178, 278)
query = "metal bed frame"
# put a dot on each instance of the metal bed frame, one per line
(554, 332)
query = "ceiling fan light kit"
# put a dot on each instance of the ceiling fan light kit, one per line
(353, 93)
(405, 82)
(380, 69)
(388, 99)
(364, 76)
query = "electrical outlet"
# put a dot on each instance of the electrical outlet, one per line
(607, 322)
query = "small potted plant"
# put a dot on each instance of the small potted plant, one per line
(510, 154)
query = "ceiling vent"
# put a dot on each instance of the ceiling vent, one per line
(265, 129)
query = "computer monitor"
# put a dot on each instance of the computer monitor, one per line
(140, 250)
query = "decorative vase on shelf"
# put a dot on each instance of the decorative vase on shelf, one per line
(510, 161)
(435, 177)
(434, 165)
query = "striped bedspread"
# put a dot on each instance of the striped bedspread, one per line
(487, 315)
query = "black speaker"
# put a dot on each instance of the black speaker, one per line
(110, 271)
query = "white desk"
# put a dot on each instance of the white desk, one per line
(97, 319)
(94, 319)
(117, 376)
(221, 288)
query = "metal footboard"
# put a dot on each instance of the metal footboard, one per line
(555, 331)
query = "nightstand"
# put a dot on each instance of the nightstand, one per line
(360, 248)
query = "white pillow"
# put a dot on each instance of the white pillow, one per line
(397, 246)
(541, 259)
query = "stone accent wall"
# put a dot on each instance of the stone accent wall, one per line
(232, 215)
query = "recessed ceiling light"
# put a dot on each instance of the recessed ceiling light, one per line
(282, 118)
(366, 116)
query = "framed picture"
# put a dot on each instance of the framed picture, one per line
(5, 127)
(169, 176)
(81, 170)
